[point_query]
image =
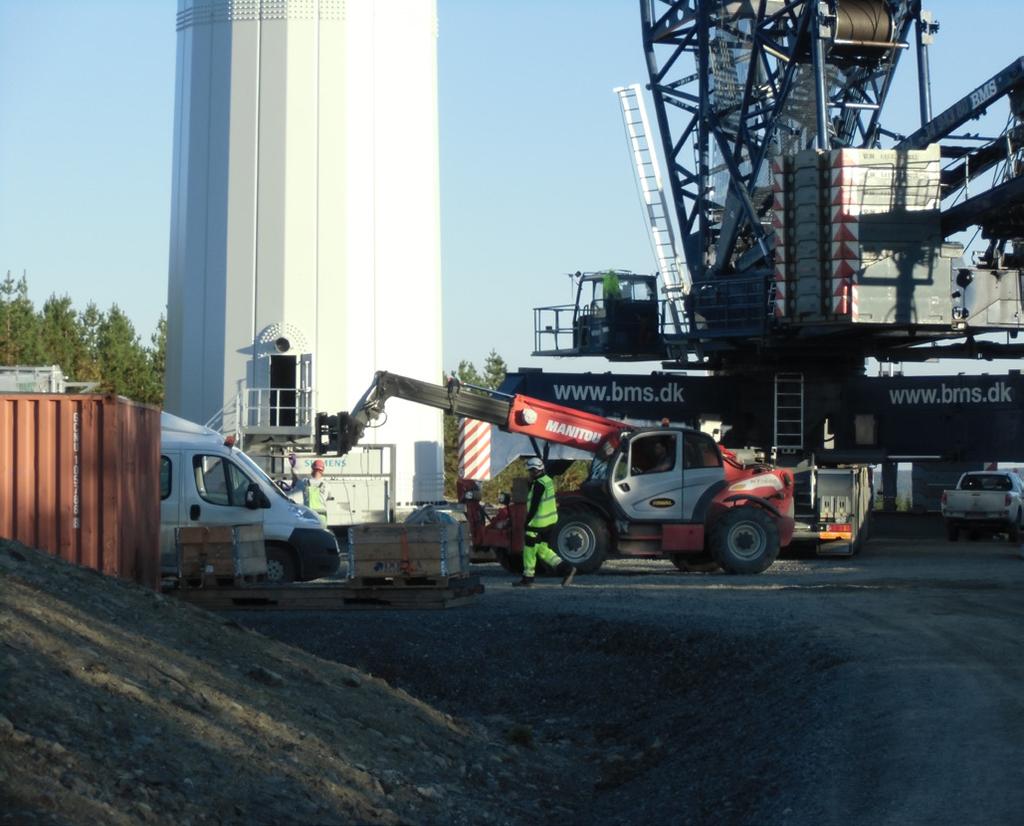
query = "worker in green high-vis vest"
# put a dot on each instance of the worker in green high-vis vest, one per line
(541, 519)
(610, 288)
(313, 488)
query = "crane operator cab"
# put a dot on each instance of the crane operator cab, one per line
(617, 315)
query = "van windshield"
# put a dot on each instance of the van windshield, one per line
(258, 472)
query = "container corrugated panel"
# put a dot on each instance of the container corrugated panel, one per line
(80, 478)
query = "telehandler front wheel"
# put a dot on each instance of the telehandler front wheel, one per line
(582, 539)
(745, 540)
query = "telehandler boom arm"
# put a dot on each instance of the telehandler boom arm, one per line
(515, 414)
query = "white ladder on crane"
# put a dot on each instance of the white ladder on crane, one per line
(674, 274)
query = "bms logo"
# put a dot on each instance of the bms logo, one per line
(980, 95)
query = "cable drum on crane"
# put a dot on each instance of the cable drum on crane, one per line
(864, 23)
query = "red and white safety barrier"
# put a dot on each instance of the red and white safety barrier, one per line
(474, 450)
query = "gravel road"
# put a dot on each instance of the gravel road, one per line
(887, 688)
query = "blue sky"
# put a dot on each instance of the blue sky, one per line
(536, 180)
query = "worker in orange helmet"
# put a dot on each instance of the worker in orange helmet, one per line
(541, 518)
(313, 487)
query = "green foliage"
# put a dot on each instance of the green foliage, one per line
(495, 370)
(91, 345)
(63, 339)
(574, 476)
(124, 364)
(19, 325)
(467, 374)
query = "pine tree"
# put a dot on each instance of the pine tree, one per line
(61, 336)
(468, 374)
(495, 370)
(19, 325)
(89, 321)
(123, 362)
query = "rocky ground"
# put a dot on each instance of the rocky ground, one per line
(119, 705)
(883, 689)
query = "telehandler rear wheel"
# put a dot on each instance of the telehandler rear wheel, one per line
(745, 540)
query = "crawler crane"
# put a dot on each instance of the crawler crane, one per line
(813, 236)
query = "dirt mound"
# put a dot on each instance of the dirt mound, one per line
(120, 705)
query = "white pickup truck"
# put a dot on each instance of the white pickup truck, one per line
(984, 502)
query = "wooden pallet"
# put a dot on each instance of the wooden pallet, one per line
(390, 551)
(211, 581)
(333, 596)
(406, 581)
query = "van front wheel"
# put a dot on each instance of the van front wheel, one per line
(280, 565)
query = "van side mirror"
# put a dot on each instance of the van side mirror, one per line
(255, 497)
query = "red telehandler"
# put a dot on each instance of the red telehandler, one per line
(651, 492)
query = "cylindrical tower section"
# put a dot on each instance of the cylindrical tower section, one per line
(305, 230)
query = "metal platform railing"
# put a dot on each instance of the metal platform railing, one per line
(269, 411)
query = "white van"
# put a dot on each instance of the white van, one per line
(205, 481)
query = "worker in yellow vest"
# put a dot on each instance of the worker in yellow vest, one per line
(541, 519)
(313, 488)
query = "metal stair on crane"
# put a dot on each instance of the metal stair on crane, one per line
(789, 412)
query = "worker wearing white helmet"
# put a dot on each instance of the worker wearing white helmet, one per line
(312, 488)
(541, 519)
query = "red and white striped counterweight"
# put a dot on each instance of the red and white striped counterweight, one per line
(474, 450)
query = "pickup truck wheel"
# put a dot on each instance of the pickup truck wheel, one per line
(952, 533)
(582, 539)
(281, 567)
(701, 563)
(745, 540)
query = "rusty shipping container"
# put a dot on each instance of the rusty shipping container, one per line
(79, 477)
